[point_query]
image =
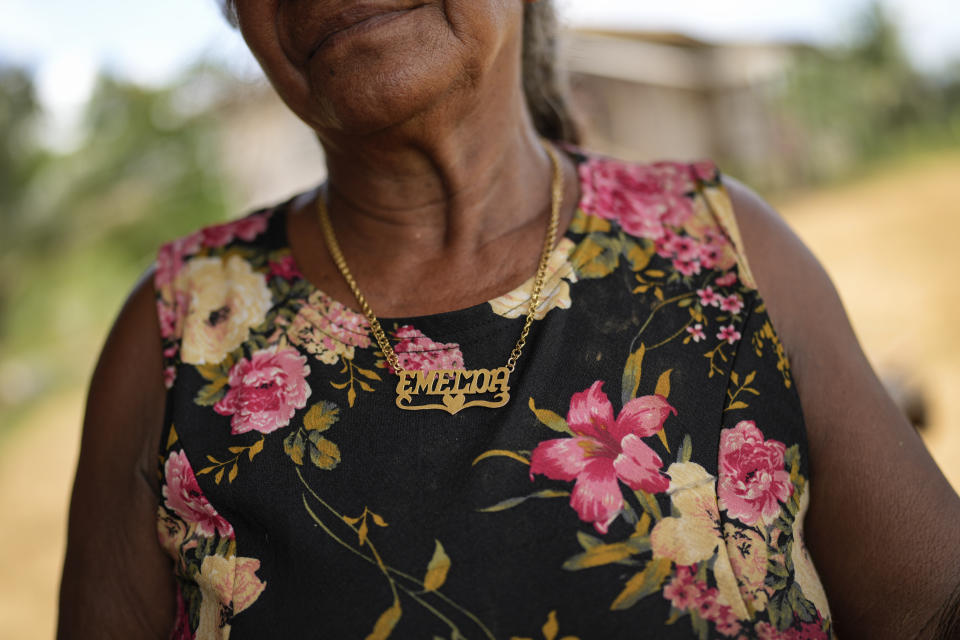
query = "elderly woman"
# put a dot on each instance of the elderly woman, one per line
(483, 384)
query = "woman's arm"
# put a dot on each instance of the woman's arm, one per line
(884, 523)
(117, 582)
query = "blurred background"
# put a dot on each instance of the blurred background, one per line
(123, 125)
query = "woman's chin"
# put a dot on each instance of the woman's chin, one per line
(369, 93)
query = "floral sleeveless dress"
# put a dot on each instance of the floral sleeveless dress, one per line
(648, 478)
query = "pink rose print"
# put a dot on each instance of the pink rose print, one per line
(604, 451)
(266, 390)
(170, 258)
(726, 280)
(169, 319)
(704, 170)
(642, 198)
(245, 228)
(285, 268)
(709, 297)
(686, 593)
(732, 303)
(806, 631)
(696, 332)
(171, 315)
(729, 333)
(181, 624)
(752, 481)
(183, 496)
(417, 352)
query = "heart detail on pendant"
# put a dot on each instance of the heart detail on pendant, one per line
(454, 403)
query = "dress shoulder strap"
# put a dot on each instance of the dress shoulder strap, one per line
(720, 205)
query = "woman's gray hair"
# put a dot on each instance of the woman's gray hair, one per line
(544, 82)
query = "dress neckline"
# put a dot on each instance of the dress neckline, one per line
(457, 323)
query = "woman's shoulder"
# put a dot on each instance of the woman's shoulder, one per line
(212, 284)
(213, 239)
(674, 214)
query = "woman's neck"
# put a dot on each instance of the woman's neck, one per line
(439, 193)
(442, 212)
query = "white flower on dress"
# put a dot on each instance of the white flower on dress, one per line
(694, 536)
(226, 299)
(328, 330)
(556, 287)
(228, 586)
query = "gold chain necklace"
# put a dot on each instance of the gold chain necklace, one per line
(459, 388)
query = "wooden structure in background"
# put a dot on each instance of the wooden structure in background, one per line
(640, 95)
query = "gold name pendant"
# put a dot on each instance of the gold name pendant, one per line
(457, 389)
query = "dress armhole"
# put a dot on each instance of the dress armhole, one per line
(172, 302)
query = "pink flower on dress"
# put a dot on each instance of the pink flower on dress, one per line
(682, 591)
(704, 170)
(752, 481)
(169, 376)
(171, 315)
(709, 297)
(266, 390)
(183, 496)
(665, 243)
(806, 631)
(726, 280)
(642, 198)
(729, 333)
(685, 248)
(676, 246)
(604, 451)
(696, 332)
(170, 258)
(686, 267)
(686, 593)
(169, 319)
(246, 229)
(181, 625)
(710, 255)
(810, 631)
(285, 267)
(417, 352)
(726, 621)
(732, 303)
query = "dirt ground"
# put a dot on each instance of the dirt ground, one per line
(890, 244)
(889, 241)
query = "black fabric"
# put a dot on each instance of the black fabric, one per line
(425, 474)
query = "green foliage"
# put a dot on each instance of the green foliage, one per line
(80, 226)
(865, 101)
(20, 157)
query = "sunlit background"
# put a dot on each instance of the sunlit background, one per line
(123, 125)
